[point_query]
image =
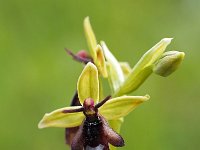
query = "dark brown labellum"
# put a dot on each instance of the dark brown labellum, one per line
(94, 132)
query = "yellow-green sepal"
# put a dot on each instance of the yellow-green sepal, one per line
(115, 73)
(100, 61)
(143, 68)
(125, 68)
(154, 53)
(121, 106)
(59, 119)
(88, 84)
(95, 49)
(133, 81)
(116, 124)
(168, 63)
(90, 37)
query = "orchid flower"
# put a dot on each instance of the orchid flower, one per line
(92, 115)
(122, 78)
(86, 120)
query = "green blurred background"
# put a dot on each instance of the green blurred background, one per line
(37, 76)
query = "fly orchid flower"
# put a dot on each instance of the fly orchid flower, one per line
(122, 78)
(91, 116)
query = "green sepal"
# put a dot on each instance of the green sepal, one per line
(100, 61)
(59, 119)
(134, 81)
(115, 73)
(143, 68)
(121, 106)
(125, 68)
(90, 37)
(88, 84)
(116, 124)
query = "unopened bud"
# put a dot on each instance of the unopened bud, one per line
(168, 63)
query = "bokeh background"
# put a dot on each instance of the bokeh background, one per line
(37, 76)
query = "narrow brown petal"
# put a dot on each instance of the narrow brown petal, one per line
(73, 110)
(102, 102)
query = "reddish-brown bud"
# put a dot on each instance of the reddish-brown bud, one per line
(83, 54)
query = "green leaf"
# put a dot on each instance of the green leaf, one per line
(143, 68)
(168, 63)
(88, 84)
(115, 73)
(59, 119)
(121, 106)
(90, 37)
